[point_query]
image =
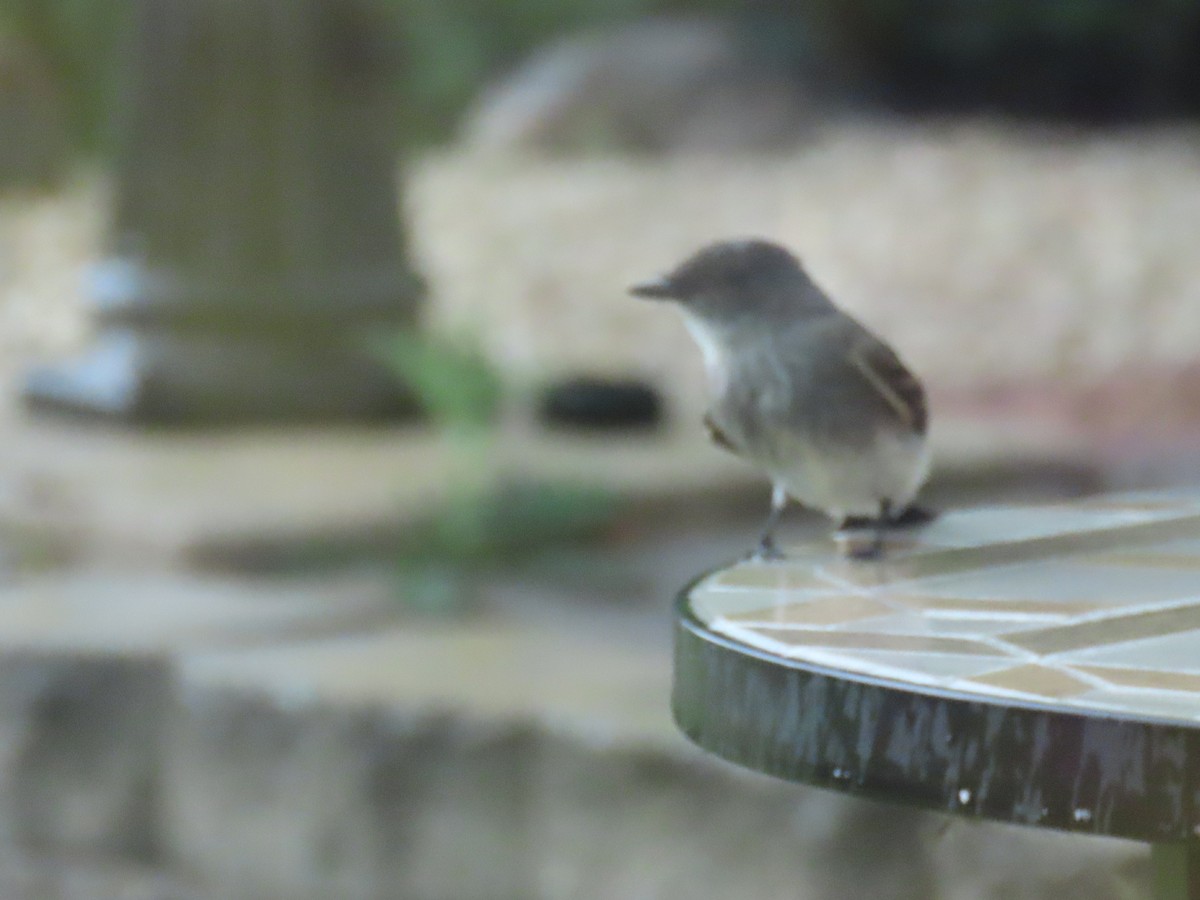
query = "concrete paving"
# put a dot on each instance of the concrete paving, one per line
(582, 684)
(210, 666)
(265, 497)
(269, 499)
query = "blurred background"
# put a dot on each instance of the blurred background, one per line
(344, 492)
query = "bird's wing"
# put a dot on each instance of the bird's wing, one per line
(883, 370)
(719, 437)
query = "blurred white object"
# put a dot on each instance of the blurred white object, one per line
(657, 85)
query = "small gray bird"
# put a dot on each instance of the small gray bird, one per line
(802, 390)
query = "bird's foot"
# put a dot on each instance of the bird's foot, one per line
(766, 551)
(861, 538)
(913, 516)
(865, 552)
(909, 517)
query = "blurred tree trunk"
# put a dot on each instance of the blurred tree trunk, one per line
(256, 239)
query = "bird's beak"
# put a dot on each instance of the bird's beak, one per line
(655, 289)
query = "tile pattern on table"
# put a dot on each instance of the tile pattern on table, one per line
(1093, 604)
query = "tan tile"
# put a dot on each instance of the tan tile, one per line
(1044, 681)
(776, 576)
(1112, 630)
(709, 604)
(1099, 540)
(910, 666)
(1145, 678)
(825, 610)
(889, 570)
(998, 608)
(1147, 559)
(867, 640)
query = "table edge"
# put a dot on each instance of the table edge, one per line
(1022, 762)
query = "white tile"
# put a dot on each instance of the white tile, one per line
(1065, 580)
(918, 623)
(1179, 652)
(924, 667)
(1004, 524)
(1167, 704)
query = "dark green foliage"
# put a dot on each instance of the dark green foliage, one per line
(485, 520)
(450, 48)
(1082, 59)
(452, 379)
(497, 526)
(79, 42)
(1089, 60)
(501, 522)
(454, 47)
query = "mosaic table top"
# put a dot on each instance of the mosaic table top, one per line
(1036, 663)
(1094, 605)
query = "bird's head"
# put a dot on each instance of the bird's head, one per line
(727, 281)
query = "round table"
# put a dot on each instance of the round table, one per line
(1029, 664)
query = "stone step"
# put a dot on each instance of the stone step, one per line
(468, 762)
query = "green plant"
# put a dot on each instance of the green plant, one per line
(488, 517)
(493, 525)
(451, 376)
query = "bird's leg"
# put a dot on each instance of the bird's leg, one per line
(881, 527)
(874, 550)
(766, 543)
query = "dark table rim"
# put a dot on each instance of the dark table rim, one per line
(1023, 762)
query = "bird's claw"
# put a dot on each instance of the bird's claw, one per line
(872, 552)
(909, 517)
(854, 544)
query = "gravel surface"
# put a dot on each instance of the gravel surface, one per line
(986, 256)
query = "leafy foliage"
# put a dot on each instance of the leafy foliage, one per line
(498, 525)
(1084, 58)
(454, 47)
(512, 518)
(486, 519)
(79, 41)
(451, 377)
(1090, 60)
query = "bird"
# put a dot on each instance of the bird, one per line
(802, 390)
